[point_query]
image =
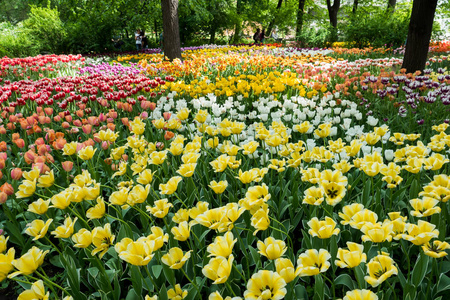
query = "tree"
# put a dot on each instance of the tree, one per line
(300, 13)
(333, 11)
(391, 5)
(172, 48)
(419, 34)
(269, 29)
(355, 6)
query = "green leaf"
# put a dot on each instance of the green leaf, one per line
(73, 277)
(345, 279)
(168, 272)
(136, 279)
(319, 291)
(132, 295)
(156, 270)
(420, 269)
(300, 292)
(256, 257)
(443, 283)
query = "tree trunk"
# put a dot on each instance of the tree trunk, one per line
(355, 6)
(333, 11)
(269, 29)
(238, 27)
(419, 34)
(391, 5)
(212, 34)
(171, 31)
(300, 13)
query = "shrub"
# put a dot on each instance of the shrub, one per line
(377, 29)
(16, 41)
(46, 28)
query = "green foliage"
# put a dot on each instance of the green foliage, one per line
(377, 29)
(315, 37)
(16, 41)
(46, 28)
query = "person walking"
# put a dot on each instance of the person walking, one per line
(262, 36)
(256, 36)
(138, 38)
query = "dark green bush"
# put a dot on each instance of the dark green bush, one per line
(377, 29)
(46, 28)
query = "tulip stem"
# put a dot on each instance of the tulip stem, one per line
(178, 197)
(51, 282)
(56, 248)
(230, 289)
(245, 279)
(145, 282)
(392, 289)
(332, 285)
(196, 287)
(79, 217)
(22, 281)
(150, 277)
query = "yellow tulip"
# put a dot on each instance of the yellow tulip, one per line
(86, 153)
(171, 186)
(313, 262)
(380, 268)
(46, 180)
(182, 231)
(102, 239)
(436, 249)
(66, 230)
(177, 293)
(3, 243)
(272, 248)
(29, 262)
(6, 263)
(218, 269)
(161, 208)
(175, 258)
(98, 211)
(82, 239)
(222, 245)
(286, 269)
(323, 229)
(265, 285)
(26, 189)
(39, 207)
(38, 228)
(352, 257)
(360, 295)
(37, 291)
(138, 253)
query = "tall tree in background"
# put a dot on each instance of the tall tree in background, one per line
(355, 6)
(419, 34)
(300, 13)
(272, 23)
(171, 38)
(391, 5)
(238, 26)
(333, 11)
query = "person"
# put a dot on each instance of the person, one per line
(161, 42)
(138, 38)
(275, 36)
(118, 43)
(144, 40)
(256, 36)
(262, 36)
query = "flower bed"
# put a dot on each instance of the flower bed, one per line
(260, 174)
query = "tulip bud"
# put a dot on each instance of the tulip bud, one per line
(167, 115)
(3, 155)
(105, 145)
(2, 130)
(169, 135)
(67, 165)
(2, 163)
(7, 189)
(16, 173)
(87, 129)
(48, 111)
(3, 146)
(3, 197)
(65, 125)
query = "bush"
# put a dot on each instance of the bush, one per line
(312, 37)
(16, 41)
(46, 28)
(377, 29)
